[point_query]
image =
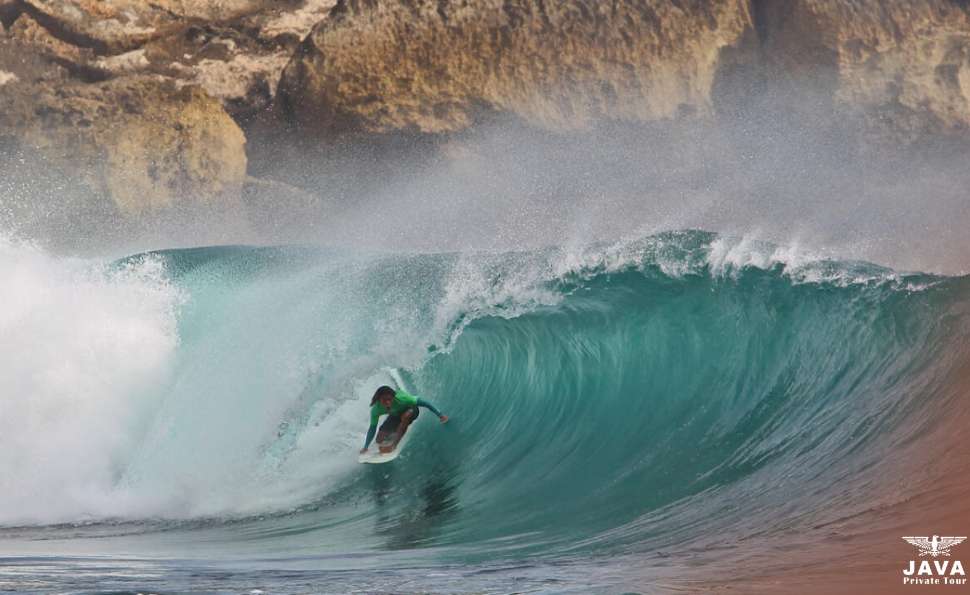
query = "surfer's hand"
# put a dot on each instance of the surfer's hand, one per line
(443, 418)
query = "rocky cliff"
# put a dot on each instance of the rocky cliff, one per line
(436, 66)
(149, 104)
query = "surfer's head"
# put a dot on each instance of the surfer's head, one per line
(385, 395)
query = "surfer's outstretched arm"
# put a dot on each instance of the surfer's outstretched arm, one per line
(370, 436)
(430, 407)
(375, 416)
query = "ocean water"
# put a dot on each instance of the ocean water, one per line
(636, 416)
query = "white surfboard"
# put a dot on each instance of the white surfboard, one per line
(374, 454)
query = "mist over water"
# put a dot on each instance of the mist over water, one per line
(797, 177)
(511, 188)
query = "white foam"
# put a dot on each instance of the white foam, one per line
(728, 257)
(81, 346)
(477, 287)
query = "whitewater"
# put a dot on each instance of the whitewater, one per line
(622, 413)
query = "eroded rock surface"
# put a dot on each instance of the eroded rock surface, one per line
(141, 141)
(116, 26)
(236, 51)
(435, 67)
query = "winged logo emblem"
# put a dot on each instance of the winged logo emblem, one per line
(934, 546)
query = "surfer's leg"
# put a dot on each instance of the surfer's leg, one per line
(406, 419)
(388, 428)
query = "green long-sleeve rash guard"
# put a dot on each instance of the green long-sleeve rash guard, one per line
(402, 402)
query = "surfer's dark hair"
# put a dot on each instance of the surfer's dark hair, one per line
(384, 390)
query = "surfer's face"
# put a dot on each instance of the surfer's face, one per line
(386, 401)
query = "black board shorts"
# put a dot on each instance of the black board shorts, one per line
(393, 421)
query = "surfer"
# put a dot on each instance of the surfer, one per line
(401, 409)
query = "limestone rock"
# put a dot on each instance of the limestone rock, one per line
(229, 64)
(28, 64)
(139, 140)
(236, 50)
(133, 61)
(117, 26)
(291, 24)
(435, 67)
(29, 32)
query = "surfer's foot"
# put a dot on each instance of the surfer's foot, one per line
(397, 439)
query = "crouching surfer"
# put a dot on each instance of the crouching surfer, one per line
(401, 410)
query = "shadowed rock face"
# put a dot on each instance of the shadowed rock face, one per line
(904, 65)
(434, 67)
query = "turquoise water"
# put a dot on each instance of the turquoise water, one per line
(619, 413)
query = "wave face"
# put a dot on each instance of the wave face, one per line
(608, 399)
